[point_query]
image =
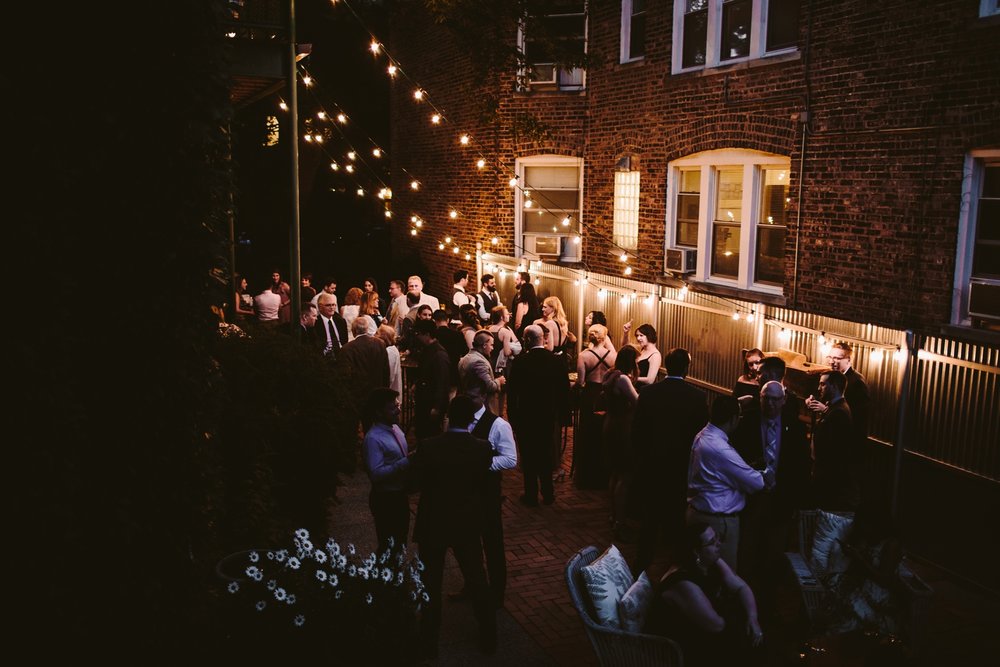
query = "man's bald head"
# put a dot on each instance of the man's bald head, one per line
(772, 399)
(533, 336)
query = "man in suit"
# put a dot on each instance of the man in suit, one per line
(433, 380)
(773, 440)
(452, 469)
(365, 359)
(475, 375)
(835, 449)
(668, 415)
(537, 393)
(307, 323)
(331, 328)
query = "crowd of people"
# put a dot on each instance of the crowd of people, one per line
(493, 386)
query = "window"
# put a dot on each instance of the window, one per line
(989, 8)
(709, 33)
(545, 40)
(633, 30)
(731, 206)
(547, 206)
(626, 224)
(977, 269)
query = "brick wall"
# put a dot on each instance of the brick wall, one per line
(898, 93)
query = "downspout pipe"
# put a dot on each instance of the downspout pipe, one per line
(913, 343)
(294, 232)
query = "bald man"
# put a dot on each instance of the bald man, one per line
(773, 440)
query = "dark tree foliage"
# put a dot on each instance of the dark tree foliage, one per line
(131, 419)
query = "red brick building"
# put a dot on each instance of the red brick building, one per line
(837, 158)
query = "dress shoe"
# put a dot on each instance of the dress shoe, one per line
(530, 502)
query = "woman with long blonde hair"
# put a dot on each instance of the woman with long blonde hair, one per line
(553, 322)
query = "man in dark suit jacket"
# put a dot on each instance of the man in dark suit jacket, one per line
(772, 439)
(537, 393)
(365, 359)
(307, 323)
(331, 328)
(668, 416)
(433, 380)
(836, 452)
(452, 468)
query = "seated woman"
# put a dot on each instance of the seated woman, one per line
(706, 607)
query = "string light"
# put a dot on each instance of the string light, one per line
(452, 214)
(307, 80)
(334, 166)
(623, 257)
(419, 222)
(455, 249)
(494, 240)
(876, 356)
(361, 192)
(899, 354)
(736, 316)
(349, 168)
(565, 222)
(321, 115)
(527, 203)
(319, 138)
(308, 138)
(464, 140)
(447, 239)
(468, 256)
(414, 185)
(413, 232)
(576, 240)
(418, 94)
(784, 336)
(282, 105)
(683, 292)
(628, 270)
(377, 152)
(341, 118)
(538, 281)
(512, 182)
(750, 317)
(440, 246)
(392, 70)
(352, 156)
(480, 164)
(436, 118)
(602, 292)
(374, 47)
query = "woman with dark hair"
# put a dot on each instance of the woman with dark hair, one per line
(619, 400)
(649, 358)
(708, 609)
(369, 307)
(370, 286)
(526, 308)
(748, 382)
(243, 301)
(469, 318)
(505, 347)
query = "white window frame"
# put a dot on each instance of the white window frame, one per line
(972, 178)
(988, 8)
(573, 250)
(626, 36)
(626, 209)
(758, 37)
(709, 163)
(571, 80)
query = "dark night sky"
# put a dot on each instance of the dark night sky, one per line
(341, 234)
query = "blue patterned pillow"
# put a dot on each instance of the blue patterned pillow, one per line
(607, 580)
(634, 605)
(827, 554)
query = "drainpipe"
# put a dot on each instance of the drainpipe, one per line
(913, 342)
(803, 123)
(293, 114)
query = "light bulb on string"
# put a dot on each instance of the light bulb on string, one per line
(749, 317)
(464, 140)
(440, 246)
(455, 249)
(623, 257)
(480, 164)
(388, 213)
(418, 94)
(377, 152)
(334, 166)
(682, 292)
(736, 316)
(453, 214)
(633, 295)
(307, 80)
(361, 192)
(321, 115)
(565, 222)
(650, 299)
(899, 354)
(419, 222)
(447, 239)
(374, 47)
(436, 118)
(349, 168)
(319, 138)
(623, 300)
(468, 256)
(602, 292)
(628, 270)
(308, 138)
(784, 336)
(876, 356)
(822, 338)
(512, 182)
(538, 282)
(414, 185)
(413, 232)
(282, 105)
(528, 203)
(576, 240)
(391, 69)
(341, 118)
(352, 156)
(494, 240)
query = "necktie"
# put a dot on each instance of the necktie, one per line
(771, 446)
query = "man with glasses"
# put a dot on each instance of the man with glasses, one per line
(719, 479)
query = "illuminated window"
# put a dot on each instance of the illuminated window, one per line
(626, 222)
(547, 206)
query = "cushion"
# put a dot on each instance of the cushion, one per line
(634, 605)
(827, 554)
(607, 579)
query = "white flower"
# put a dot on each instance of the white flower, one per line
(369, 599)
(290, 599)
(270, 555)
(300, 620)
(425, 596)
(280, 594)
(420, 565)
(302, 534)
(399, 578)
(254, 556)
(364, 573)
(352, 570)
(391, 542)
(233, 586)
(271, 584)
(321, 575)
(257, 576)
(260, 605)
(333, 581)
(319, 556)
(294, 563)
(339, 594)
(342, 561)
(280, 555)
(252, 570)
(413, 595)
(350, 549)
(386, 575)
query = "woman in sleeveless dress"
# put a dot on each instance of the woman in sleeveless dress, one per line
(649, 356)
(505, 347)
(592, 366)
(620, 397)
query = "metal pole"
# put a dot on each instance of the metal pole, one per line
(231, 221)
(293, 113)
(913, 342)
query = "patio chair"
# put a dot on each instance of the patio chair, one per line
(613, 646)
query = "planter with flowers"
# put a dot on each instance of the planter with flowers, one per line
(324, 601)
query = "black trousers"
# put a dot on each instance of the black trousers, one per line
(391, 511)
(468, 552)
(493, 548)
(536, 461)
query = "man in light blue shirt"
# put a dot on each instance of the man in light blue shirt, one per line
(385, 455)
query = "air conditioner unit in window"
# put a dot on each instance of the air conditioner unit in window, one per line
(542, 246)
(984, 299)
(542, 73)
(682, 260)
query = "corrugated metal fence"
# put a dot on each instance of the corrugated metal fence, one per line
(953, 414)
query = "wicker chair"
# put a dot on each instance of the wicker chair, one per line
(814, 593)
(613, 646)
